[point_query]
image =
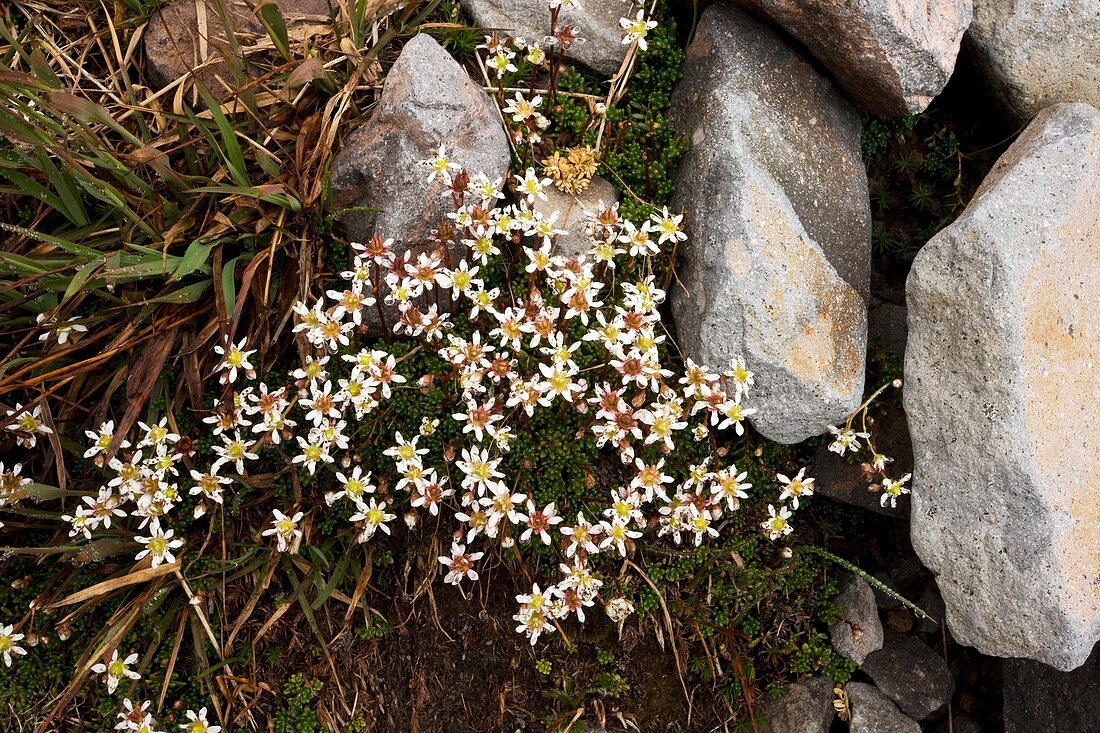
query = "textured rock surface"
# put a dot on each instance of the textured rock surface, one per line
(1002, 391)
(912, 675)
(183, 35)
(596, 21)
(1039, 698)
(806, 707)
(892, 56)
(427, 99)
(872, 712)
(775, 196)
(1039, 52)
(859, 631)
(571, 213)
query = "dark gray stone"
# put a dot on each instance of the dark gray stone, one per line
(912, 675)
(872, 712)
(840, 480)
(859, 630)
(806, 707)
(888, 322)
(1040, 698)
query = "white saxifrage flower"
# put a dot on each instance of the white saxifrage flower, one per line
(198, 723)
(117, 669)
(159, 545)
(460, 564)
(285, 529)
(9, 644)
(891, 490)
(235, 359)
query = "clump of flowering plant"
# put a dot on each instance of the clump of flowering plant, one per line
(518, 358)
(553, 335)
(849, 440)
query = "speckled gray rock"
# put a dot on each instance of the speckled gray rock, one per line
(775, 195)
(912, 675)
(184, 35)
(427, 99)
(892, 56)
(571, 213)
(805, 707)
(859, 630)
(1039, 52)
(596, 21)
(1039, 698)
(872, 712)
(1002, 388)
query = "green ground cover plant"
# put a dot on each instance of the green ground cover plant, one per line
(209, 460)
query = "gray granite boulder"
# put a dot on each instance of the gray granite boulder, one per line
(908, 672)
(859, 630)
(595, 21)
(805, 707)
(775, 198)
(1002, 392)
(872, 712)
(892, 56)
(427, 99)
(1039, 52)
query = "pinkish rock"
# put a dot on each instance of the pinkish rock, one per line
(185, 36)
(1038, 52)
(892, 56)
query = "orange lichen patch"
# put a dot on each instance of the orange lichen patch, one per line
(826, 351)
(738, 259)
(1061, 378)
